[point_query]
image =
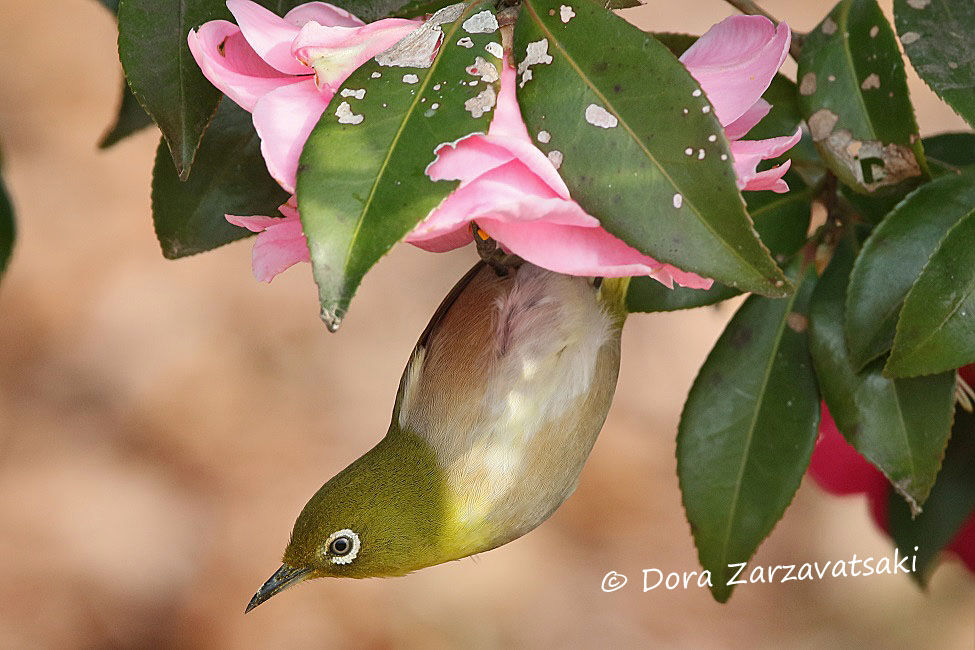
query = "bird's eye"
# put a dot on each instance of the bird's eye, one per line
(342, 546)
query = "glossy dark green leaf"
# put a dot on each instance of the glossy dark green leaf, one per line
(229, 177)
(747, 431)
(955, 149)
(936, 328)
(162, 73)
(362, 184)
(111, 5)
(892, 259)
(781, 220)
(951, 503)
(650, 161)
(8, 228)
(619, 4)
(937, 38)
(853, 93)
(131, 118)
(899, 425)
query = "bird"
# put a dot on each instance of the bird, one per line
(496, 413)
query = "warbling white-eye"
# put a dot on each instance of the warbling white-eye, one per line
(496, 413)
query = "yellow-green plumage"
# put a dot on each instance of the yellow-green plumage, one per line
(496, 413)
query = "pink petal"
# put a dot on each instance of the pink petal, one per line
(448, 241)
(735, 62)
(335, 52)
(467, 159)
(269, 34)
(740, 127)
(581, 251)
(283, 120)
(255, 223)
(748, 153)
(280, 244)
(770, 179)
(323, 14)
(230, 64)
(508, 193)
(507, 138)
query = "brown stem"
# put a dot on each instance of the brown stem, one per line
(748, 7)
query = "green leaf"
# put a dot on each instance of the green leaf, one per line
(781, 220)
(747, 431)
(936, 329)
(624, 144)
(162, 73)
(8, 228)
(229, 178)
(951, 503)
(937, 37)
(130, 119)
(853, 93)
(892, 259)
(111, 5)
(955, 149)
(363, 187)
(899, 425)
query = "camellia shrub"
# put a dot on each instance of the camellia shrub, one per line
(554, 132)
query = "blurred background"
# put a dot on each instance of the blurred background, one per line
(162, 423)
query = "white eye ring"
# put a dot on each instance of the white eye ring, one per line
(348, 557)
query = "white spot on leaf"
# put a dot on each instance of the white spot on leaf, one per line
(555, 157)
(566, 13)
(486, 71)
(345, 114)
(417, 49)
(482, 102)
(599, 116)
(678, 201)
(494, 49)
(874, 31)
(807, 86)
(544, 137)
(829, 26)
(821, 123)
(872, 81)
(349, 92)
(535, 53)
(483, 22)
(918, 4)
(410, 78)
(909, 37)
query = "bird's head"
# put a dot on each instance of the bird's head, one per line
(384, 515)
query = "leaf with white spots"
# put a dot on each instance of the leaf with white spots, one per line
(362, 184)
(853, 94)
(937, 37)
(782, 221)
(622, 142)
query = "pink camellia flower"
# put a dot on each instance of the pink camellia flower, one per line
(285, 70)
(515, 194)
(839, 469)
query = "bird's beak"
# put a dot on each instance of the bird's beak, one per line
(283, 578)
